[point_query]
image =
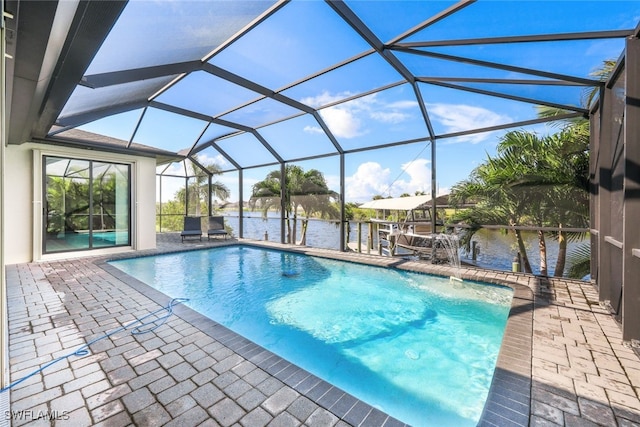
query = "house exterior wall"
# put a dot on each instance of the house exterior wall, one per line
(23, 220)
(18, 230)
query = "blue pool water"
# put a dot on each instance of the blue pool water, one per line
(418, 347)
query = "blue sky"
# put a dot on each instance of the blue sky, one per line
(305, 37)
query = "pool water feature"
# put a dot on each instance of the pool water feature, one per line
(418, 347)
(449, 243)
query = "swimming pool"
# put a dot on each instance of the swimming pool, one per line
(418, 347)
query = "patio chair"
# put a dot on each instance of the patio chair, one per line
(192, 228)
(216, 227)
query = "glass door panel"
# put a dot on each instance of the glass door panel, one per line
(87, 205)
(66, 204)
(110, 215)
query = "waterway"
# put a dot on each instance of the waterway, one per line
(496, 248)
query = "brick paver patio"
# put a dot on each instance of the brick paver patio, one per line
(562, 362)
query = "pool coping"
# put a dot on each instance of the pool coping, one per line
(508, 402)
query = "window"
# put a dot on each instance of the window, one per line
(87, 204)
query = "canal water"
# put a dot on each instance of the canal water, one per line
(496, 249)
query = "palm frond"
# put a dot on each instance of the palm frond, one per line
(579, 260)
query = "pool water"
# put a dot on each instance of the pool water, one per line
(418, 347)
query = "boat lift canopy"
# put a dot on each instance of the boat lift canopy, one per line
(406, 203)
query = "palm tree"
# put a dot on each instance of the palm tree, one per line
(575, 135)
(522, 155)
(104, 192)
(68, 201)
(566, 178)
(602, 73)
(266, 194)
(554, 172)
(306, 191)
(531, 181)
(315, 198)
(580, 261)
(57, 189)
(198, 187)
(571, 180)
(497, 201)
(541, 180)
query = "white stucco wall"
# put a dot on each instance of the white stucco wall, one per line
(18, 230)
(23, 203)
(144, 204)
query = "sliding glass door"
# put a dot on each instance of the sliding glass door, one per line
(87, 204)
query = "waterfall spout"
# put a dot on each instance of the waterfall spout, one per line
(449, 243)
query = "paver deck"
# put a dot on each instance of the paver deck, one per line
(562, 361)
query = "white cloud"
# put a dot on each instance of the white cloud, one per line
(343, 122)
(416, 177)
(333, 182)
(403, 105)
(443, 190)
(341, 119)
(372, 179)
(313, 129)
(219, 160)
(348, 120)
(392, 117)
(324, 98)
(460, 117)
(419, 177)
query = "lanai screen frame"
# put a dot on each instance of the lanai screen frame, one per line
(615, 192)
(384, 50)
(388, 51)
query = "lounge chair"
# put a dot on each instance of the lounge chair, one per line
(216, 227)
(192, 228)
